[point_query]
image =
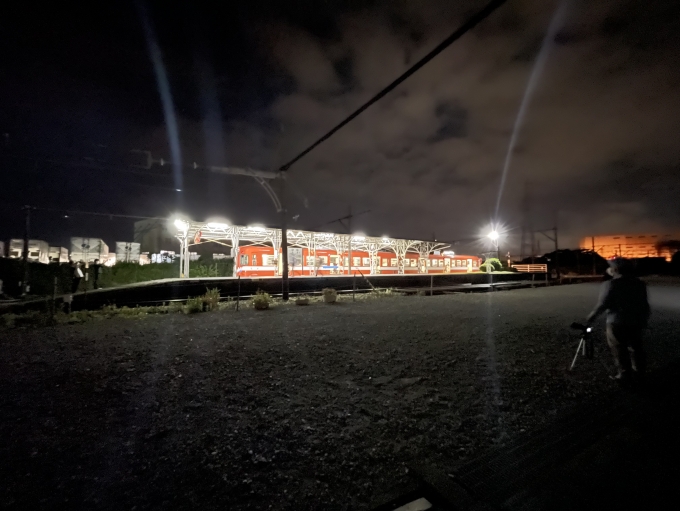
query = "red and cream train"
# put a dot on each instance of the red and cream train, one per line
(259, 261)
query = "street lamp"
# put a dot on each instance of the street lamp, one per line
(493, 236)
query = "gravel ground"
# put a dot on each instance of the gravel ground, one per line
(319, 407)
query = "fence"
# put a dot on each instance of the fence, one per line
(531, 268)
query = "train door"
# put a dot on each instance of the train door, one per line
(335, 264)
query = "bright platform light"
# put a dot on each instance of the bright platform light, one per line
(493, 235)
(181, 225)
(217, 225)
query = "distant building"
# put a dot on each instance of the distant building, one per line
(632, 246)
(159, 236)
(154, 236)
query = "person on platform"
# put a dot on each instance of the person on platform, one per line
(76, 275)
(96, 273)
(624, 298)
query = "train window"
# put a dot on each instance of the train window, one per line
(367, 261)
(310, 260)
(447, 261)
(427, 262)
(474, 263)
(414, 262)
(393, 261)
(254, 259)
(244, 260)
(323, 259)
(356, 261)
(268, 260)
(384, 262)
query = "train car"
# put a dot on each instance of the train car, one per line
(260, 261)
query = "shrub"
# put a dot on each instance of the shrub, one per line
(176, 306)
(9, 320)
(194, 305)
(330, 295)
(491, 264)
(208, 270)
(261, 300)
(211, 298)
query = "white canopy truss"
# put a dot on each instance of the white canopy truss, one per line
(191, 233)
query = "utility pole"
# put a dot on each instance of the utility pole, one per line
(528, 243)
(284, 238)
(27, 235)
(349, 249)
(553, 238)
(348, 228)
(557, 253)
(594, 268)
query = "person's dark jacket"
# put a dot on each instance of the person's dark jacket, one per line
(625, 299)
(96, 271)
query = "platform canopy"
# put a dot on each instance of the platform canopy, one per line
(190, 233)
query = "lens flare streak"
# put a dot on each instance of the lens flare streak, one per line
(166, 96)
(555, 25)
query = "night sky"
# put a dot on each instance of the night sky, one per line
(253, 83)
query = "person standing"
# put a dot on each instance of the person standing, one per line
(624, 298)
(96, 273)
(77, 276)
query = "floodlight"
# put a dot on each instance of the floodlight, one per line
(181, 225)
(217, 225)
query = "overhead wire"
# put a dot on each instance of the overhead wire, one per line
(95, 213)
(457, 34)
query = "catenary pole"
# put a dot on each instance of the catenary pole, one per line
(284, 238)
(27, 234)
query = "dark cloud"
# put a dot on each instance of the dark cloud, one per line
(256, 84)
(452, 121)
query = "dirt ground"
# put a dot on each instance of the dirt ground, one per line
(318, 407)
